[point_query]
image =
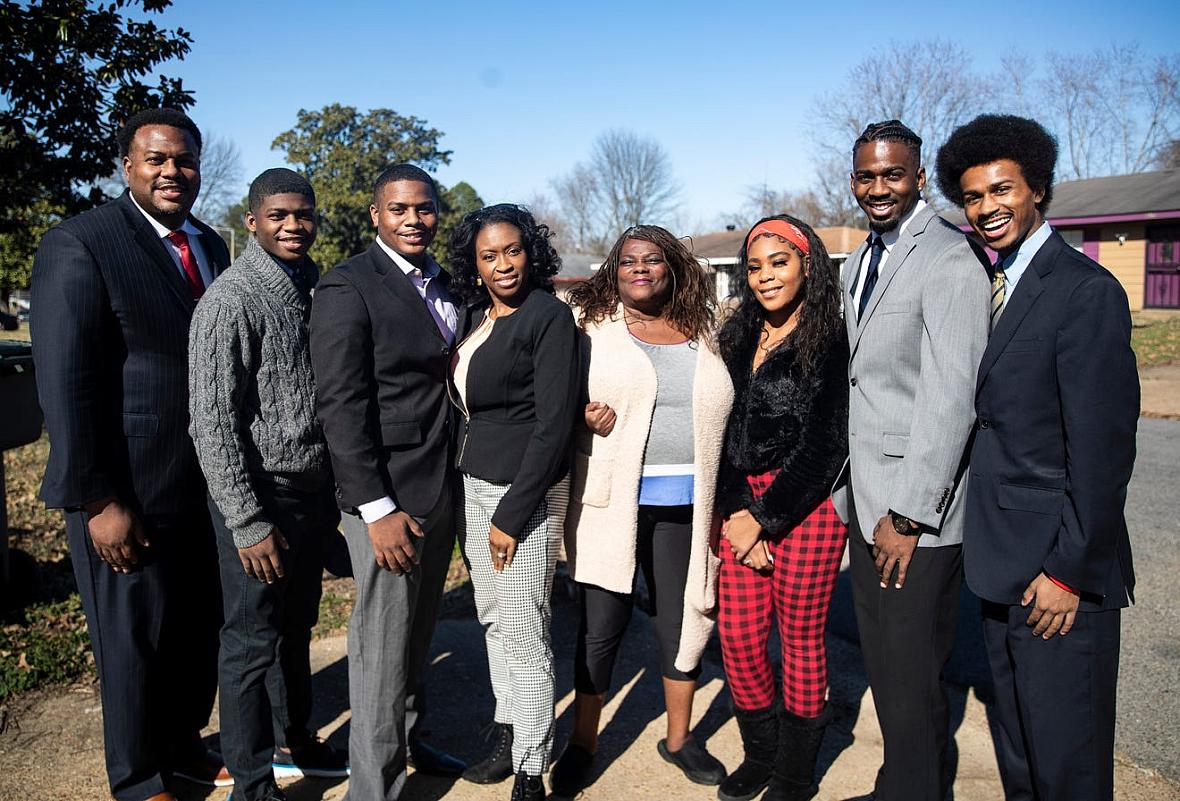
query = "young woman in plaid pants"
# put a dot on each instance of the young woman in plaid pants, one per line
(786, 441)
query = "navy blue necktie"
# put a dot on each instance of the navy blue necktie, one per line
(878, 247)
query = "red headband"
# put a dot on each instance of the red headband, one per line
(781, 229)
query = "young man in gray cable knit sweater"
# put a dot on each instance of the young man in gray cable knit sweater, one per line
(252, 404)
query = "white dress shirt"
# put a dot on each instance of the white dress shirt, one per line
(194, 244)
(446, 316)
(889, 238)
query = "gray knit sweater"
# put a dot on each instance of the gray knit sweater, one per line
(251, 392)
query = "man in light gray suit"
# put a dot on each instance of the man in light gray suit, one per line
(916, 305)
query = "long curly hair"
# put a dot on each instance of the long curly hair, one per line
(819, 314)
(692, 308)
(544, 263)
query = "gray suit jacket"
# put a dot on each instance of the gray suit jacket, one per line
(914, 356)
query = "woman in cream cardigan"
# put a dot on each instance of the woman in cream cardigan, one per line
(644, 478)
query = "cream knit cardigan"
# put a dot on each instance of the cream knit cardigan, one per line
(601, 527)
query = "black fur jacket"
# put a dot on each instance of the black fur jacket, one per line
(785, 419)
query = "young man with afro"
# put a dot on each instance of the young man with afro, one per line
(1057, 400)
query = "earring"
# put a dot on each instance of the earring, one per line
(478, 280)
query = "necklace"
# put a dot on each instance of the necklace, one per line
(767, 341)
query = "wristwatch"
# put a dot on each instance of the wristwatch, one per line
(902, 524)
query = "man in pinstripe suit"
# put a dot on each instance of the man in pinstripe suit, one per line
(114, 291)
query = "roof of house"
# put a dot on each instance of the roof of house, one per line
(576, 266)
(726, 244)
(1139, 193)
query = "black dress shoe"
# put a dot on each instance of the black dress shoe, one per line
(496, 766)
(571, 771)
(433, 762)
(528, 788)
(698, 765)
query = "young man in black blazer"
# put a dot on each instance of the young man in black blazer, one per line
(1057, 400)
(382, 328)
(114, 290)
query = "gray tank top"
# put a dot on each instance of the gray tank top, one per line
(669, 442)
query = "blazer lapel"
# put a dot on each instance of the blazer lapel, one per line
(153, 246)
(398, 283)
(1015, 310)
(901, 251)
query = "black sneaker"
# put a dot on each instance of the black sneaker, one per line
(316, 758)
(528, 788)
(571, 771)
(698, 765)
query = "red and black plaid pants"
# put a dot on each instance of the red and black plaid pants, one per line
(796, 593)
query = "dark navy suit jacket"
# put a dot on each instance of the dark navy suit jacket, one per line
(1057, 400)
(110, 323)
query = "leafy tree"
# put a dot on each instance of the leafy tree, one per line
(342, 151)
(72, 74)
(458, 201)
(18, 246)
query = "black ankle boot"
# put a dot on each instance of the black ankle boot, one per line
(799, 740)
(759, 729)
(528, 788)
(497, 766)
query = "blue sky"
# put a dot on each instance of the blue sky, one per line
(521, 90)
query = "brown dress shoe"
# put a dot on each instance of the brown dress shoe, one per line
(210, 771)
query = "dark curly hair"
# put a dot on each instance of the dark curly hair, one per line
(819, 314)
(991, 137)
(693, 306)
(544, 263)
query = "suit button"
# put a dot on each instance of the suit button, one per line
(984, 424)
(852, 382)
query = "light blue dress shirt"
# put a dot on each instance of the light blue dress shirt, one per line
(1015, 265)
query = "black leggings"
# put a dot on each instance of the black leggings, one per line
(662, 549)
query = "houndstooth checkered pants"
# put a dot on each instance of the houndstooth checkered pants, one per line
(513, 607)
(797, 592)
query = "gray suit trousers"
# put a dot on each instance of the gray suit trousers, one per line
(389, 636)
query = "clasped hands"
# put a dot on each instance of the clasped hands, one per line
(743, 532)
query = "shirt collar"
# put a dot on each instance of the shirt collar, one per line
(430, 271)
(162, 230)
(1018, 261)
(890, 237)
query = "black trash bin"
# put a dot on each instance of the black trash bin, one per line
(20, 424)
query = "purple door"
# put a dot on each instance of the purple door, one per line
(1163, 267)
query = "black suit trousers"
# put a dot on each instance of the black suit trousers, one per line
(154, 636)
(265, 669)
(1055, 704)
(906, 637)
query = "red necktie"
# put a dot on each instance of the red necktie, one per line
(189, 262)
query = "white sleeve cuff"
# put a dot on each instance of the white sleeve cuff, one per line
(373, 511)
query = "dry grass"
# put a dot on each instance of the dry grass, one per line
(1155, 337)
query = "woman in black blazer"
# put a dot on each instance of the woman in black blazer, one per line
(515, 378)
